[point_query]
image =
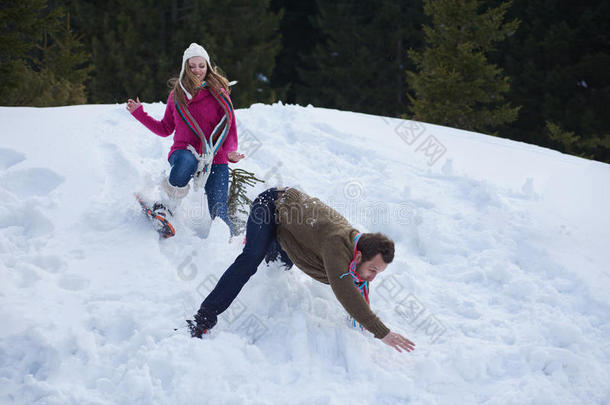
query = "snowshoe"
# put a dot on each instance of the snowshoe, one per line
(158, 216)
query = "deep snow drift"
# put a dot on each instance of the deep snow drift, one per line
(501, 274)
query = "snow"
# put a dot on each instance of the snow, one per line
(500, 276)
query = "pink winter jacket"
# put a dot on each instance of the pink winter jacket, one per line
(205, 110)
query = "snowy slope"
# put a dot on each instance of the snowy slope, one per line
(501, 273)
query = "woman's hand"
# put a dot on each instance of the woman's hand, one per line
(133, 105)
(235, 156)
(398, 342)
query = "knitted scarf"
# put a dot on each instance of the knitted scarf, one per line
(362, 285)
(209, 146)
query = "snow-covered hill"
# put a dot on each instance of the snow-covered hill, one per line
(501, 275)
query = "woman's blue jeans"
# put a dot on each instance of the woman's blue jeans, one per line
(184, 165)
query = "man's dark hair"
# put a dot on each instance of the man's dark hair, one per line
(370, 244)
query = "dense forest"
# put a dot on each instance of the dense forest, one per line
(533, 71)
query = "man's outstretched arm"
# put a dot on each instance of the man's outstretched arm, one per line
(349, 297)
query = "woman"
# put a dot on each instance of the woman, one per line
(198, 102)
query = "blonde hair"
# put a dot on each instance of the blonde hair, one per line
(214, 77)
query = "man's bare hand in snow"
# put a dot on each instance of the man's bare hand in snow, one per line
(398, 342)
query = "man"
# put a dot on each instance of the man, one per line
(321, 243)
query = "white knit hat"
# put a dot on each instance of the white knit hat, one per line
(193, 50)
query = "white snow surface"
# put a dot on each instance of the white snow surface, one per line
(501, 273)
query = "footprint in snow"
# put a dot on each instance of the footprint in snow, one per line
(10, 157)
(26, 183)
(49, 263)
(73, 283)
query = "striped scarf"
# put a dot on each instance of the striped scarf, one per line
(211, 145)
(362, 285)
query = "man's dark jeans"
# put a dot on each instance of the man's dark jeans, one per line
(260, 241)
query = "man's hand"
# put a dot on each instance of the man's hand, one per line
(397, 341)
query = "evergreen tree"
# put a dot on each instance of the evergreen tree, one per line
(64, 67)
(238, 201)
(455, 85)
(339, 60)
(564, 139)
(21, 27)
(358, 64)
(243, 38)
(129, 42)
(136, 52)
(20, 22)
(558, 63)
(569, 142)
(298, 38)
(43, 63)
